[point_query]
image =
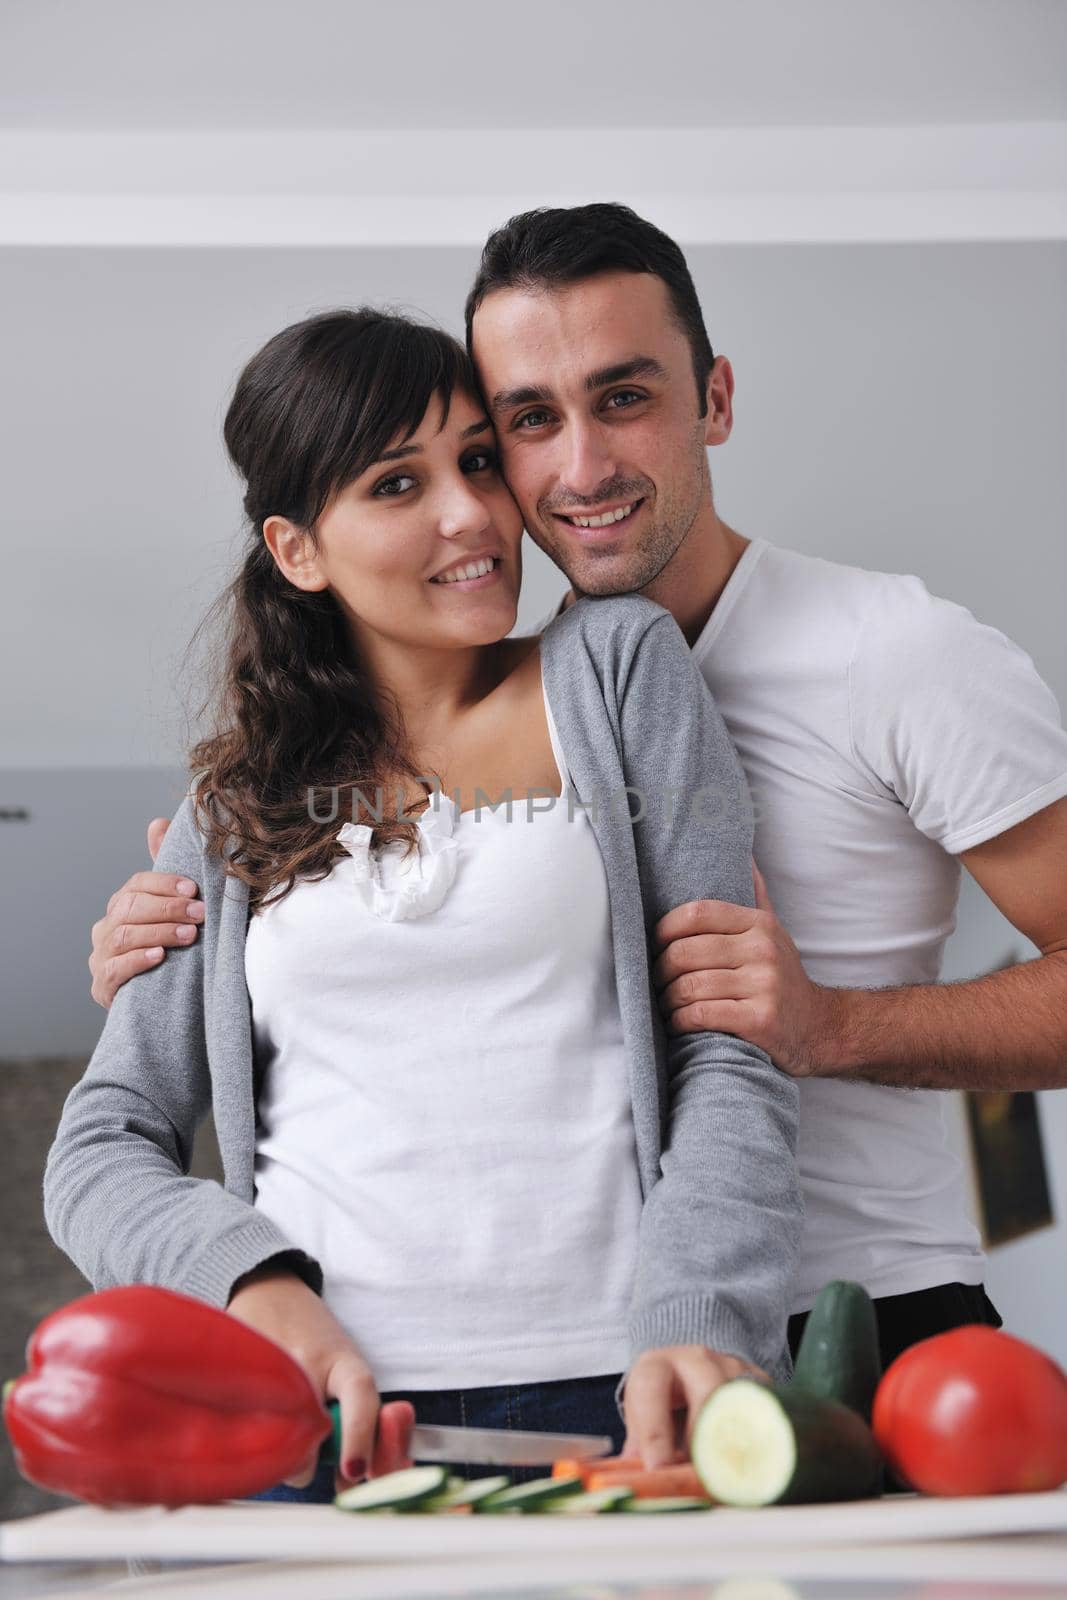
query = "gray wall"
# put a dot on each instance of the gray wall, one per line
(899, 407)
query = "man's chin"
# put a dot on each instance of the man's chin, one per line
(601, 579)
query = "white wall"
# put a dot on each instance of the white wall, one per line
(899, 407)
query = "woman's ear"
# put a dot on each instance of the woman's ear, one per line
(294, 553)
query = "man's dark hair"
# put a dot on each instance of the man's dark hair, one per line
(552, 246)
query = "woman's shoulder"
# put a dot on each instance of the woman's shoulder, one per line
(185, 849)
(603, 617)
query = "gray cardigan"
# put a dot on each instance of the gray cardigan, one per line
(715, 1122)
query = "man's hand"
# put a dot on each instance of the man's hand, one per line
(730, 969)
(663, 1396)
(151, 910)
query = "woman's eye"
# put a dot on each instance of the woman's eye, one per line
(481, 461)
(390, 487)
(626, 395)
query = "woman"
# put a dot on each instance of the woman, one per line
(465, 1169)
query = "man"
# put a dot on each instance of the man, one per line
(886, 735)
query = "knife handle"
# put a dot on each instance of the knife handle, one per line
(330, 1449)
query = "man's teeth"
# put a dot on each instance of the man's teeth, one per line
(602, 522)
(473, 569)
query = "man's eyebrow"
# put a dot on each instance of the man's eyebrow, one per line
(539, 394)
(529, 394)
(403, 450)
(638, 367)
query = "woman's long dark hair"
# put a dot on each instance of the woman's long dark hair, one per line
(295, 714)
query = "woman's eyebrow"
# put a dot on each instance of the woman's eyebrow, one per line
(403, 450)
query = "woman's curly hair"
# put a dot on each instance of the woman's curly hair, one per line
(295, 713)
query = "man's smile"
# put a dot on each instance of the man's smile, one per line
(599, 525)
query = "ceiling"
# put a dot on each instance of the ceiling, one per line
(128, 64)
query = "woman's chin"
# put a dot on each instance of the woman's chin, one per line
(481, 621)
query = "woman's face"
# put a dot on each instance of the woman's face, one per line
(434, 504)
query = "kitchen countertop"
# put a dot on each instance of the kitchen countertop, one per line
(904, 1548)
(950, 1574)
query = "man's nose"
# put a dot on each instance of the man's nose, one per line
(589, 462)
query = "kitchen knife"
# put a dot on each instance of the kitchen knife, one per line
(495, 1447)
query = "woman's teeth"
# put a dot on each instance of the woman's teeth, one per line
(473, 569)
(602, 522)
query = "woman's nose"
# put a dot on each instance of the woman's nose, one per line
(464, 511)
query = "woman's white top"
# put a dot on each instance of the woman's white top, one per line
(444, 1118)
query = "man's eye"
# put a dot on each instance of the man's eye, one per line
(389, 488)
(481, 461)
(530, 419)
(626, 395)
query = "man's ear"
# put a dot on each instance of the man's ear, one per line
(294, 553)
(720, 400)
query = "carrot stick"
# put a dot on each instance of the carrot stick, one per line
(646, 1485)
(583, 1469)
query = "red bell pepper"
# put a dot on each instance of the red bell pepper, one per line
(140, 1396)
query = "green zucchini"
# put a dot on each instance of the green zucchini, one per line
(838, 1357)
(395, 1491)
(761, 1444)
(591, 1503)
(465, 1492)
(532, 1496)
(673, 1502)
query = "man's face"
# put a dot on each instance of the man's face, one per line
(592, 392)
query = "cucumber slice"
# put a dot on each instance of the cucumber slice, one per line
(394, 1491)
(673, 1502)
(760, 1444)
(465, 1492)
(530, 1496)
(839, 1357)
(593, 1503)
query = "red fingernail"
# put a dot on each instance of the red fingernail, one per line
(355, 1469)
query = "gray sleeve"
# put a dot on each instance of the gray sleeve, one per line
(118, 1199)
(720, 1231)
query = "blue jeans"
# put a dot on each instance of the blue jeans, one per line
(567, 1405)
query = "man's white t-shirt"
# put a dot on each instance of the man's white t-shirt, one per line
(882, 731)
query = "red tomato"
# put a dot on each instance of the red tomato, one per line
(974, 1411)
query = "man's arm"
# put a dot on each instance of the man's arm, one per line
(726, 967)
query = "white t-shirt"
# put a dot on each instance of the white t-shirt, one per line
(882, 731)
(445, 1121)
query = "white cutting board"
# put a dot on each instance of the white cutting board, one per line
(284, 1530)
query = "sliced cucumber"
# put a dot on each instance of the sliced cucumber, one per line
(674, 1502)
(394, 1491)
(592, 1503)
(533, 1496)
(838, 1357)
(465, 1492)
(760, 1444)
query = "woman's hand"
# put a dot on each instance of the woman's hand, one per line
(664, 1394)
(280, 1305)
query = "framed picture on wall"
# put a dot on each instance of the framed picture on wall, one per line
(1011, 1180)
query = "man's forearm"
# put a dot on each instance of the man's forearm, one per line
(1004, 1031)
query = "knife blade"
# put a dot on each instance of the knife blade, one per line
(493, 1447)
(504, 1447)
